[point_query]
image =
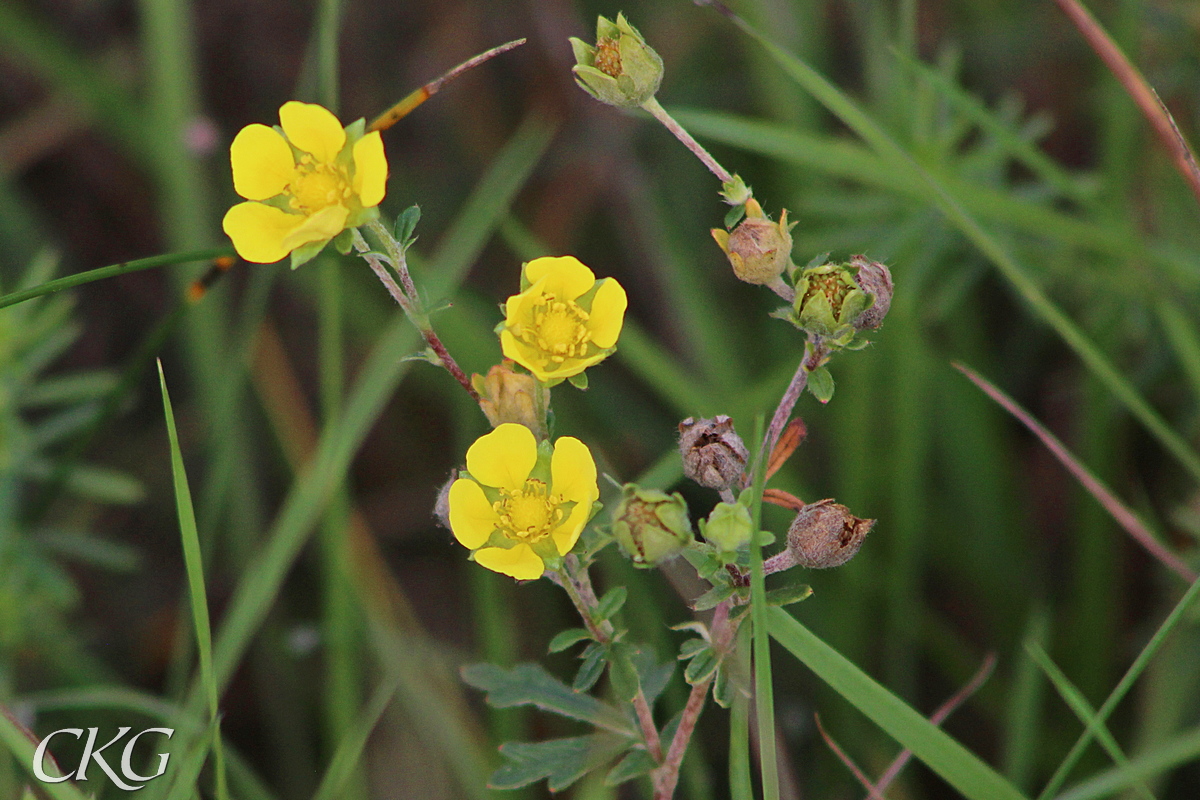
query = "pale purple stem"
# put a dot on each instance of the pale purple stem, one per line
(660, 114)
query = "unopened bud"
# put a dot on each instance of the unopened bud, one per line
(826, 534)
(728, 527)
(621, 69)
(508, 396)
(828, 301)
(712, 452)
(651, 526)
(875, 279)
(758, 249)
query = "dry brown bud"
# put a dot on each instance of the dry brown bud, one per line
(712, 452)
(876, 280)
(825, 534)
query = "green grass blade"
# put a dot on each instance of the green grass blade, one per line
(194, 563)
(764, 694)
(1023, 718)
(1168, 755)
(954, 763)
(100, 273)
(1016, 274)
(1118, 693)
(1087, 715)
(14, 739)
(343, 766)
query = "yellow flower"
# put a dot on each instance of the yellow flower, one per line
(518, 504)
(305, 185)
(563, 321)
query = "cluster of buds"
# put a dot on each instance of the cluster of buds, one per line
(713, 454)
(837, 302)
(621, 69)
(651, 526)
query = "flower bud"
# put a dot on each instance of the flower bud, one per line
(728, 527)
(826, 534)
(508, 396)
(876, 280)
(828, 301)
(621, 70)
(712, 452)
(651, 526)
(758, 249)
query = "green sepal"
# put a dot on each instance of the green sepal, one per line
(734, 216)
(406, 223)
(579, 381)
(820, 383)
(723, 688)
(306, 253)
(818, 260)
(568, 638)
(355, 131)
(591, 669)
(344, 242)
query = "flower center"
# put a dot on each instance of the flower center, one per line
(608, 57)
(317, 186)
(529, 513)
(559, 329)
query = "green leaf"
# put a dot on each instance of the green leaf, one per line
(691, 647)
(635, 764)
(958, 766)
(560, 761)
(701, 666)
(406, 223)
(611, 603)
(653, 676)
(786, 595)
(820, 383)
(579, 381)
(567, 638)
(622, 673)
(713, 597)
(591, 669)
(734, 216)
(532, 685)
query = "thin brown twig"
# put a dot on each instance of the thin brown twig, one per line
(1123, 515)
(1143, 94)
(402, 109)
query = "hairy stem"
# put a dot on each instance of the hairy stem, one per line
(407, 297)
(660, 114)
(814, 353)
(575, 580)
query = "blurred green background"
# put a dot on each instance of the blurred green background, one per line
(115, 118)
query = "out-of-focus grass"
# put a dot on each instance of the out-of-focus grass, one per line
(1005, 247)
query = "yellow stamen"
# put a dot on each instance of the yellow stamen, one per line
(529, 513)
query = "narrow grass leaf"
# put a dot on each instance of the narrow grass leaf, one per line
(1087, 715)
(954, 763)
(194, 563)
(1175, 752)
(342, 768)
(764, 692)
(16, 741)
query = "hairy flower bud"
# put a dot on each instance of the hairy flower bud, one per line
(728, 526)
(825, 534)
(875, 279)
(508, 396)
(621, 69)
(712, 452)
(651, 526)
(758, 249)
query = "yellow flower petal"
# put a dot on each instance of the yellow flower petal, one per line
(528, 357)
(608, 313)
(370, 169)
(320, 227)
(262, 162)
(313, 129)
(472, 518)
(504, 457)
(566, 278)
(573, 476)
(519, 562)
(258, 231)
